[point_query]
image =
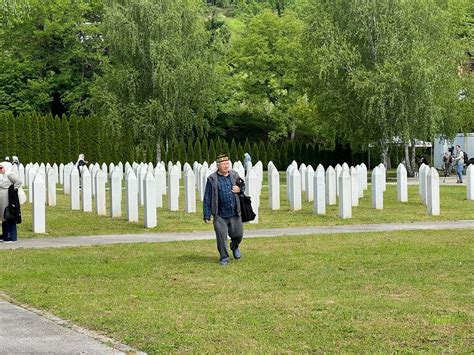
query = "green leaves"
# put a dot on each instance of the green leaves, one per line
(389, 69)
(159, 79)
(50, 53)
(266, 61)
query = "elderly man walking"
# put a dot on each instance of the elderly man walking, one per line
(221, 200)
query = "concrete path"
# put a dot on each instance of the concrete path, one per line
(27, 330)
(62, 242)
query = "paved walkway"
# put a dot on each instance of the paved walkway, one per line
(26, 330)
(62, 242)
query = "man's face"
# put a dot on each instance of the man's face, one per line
(458, 148)
(223, 167)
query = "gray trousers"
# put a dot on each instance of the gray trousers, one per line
(228, 226)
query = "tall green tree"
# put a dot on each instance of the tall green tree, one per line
(51, 51)
(266, 60)
(159, 77)
(198, 151)
(385, 69)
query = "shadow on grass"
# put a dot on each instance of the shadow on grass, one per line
(199, 258)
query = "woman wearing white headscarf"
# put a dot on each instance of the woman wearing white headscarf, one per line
(7, 177)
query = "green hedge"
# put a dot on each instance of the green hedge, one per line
(37, 138)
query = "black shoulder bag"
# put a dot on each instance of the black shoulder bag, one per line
(246, 211)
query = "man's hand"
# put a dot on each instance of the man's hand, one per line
(235, 189)
(207, 221)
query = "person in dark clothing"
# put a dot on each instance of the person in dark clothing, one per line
(221, 200)
(448, 165)
(7, 178)
(80, 163)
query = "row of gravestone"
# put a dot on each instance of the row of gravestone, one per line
(144, 185)
(143, 181)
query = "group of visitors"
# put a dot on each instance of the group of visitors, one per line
(455, 159)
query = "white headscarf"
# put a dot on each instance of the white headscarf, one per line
(7, 165)
(81, 157)
(8, 168)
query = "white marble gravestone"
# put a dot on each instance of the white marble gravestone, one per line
(319, 188)
(51, 183)
(309, 183)
(115, 192)
(354, 186)
(39, 204)
(74, 189)
(86, 191)
(402, 183)
(251, 190)
(303, 169)
(31, 176)
(173, 189)
(364, 175)
(189, 191)
(295, 190)
(377, 188)
(470, 182)
(384, 176)
(432, 192)
(150, 201)
(338, 170)
(100, 199)
(274, 189)
(131, 191)
(67, 178)
(345, 194)
(330, 186)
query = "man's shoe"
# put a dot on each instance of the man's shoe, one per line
(224, 262)
(236, 253)
(9, 241)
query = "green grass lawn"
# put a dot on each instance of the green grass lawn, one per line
(372, 292)
(61, 221)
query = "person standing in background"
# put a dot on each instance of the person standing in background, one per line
(7, 178)
(459, 162)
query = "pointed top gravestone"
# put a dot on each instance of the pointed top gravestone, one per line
(309, 183)
(100, 199)
(345, 194)
(402, 183)
(274, 188)
(330, 186)
(74, 189)
(39, 201)
(150, 201)
(173, 189)
(377, 188)
(189, 191)
(105, 169)
(131, 193)
(116, 193)
(319, 188)
(470, 182)
(295, 189)
(432, 192)
(354, 186)
(86, 191)
(51, 187)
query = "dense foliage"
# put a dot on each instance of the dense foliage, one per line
(151, 73)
